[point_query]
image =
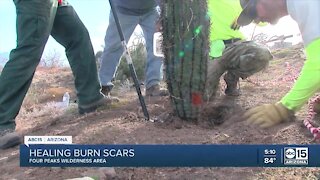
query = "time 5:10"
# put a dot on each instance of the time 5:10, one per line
(270, 151)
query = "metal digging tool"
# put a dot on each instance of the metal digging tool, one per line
(129, 61)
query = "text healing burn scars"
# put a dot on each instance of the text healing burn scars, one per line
(81, 153)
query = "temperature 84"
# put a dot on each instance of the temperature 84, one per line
(269, 160)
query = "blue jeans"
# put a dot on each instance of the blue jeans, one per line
(113, 48)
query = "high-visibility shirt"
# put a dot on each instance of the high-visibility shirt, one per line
(306, 13)
(222, 13)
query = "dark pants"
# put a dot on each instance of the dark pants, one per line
(239, 60)
(33, 30)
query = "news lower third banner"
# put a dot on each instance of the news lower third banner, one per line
(74, 155)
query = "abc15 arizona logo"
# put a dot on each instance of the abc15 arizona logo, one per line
(296, 155)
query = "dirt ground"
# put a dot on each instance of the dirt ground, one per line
(123, 123)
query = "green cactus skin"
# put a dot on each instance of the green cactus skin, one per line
(186, 46)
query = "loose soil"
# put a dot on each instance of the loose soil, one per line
(123, 123)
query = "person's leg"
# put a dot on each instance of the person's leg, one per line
(215, 71)
(32, 23)
(243, 59)
(153, 64)
(113, 49)
(17, 74)
(231, 80)
(70, 32)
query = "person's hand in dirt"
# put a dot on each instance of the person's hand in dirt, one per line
(268, 115)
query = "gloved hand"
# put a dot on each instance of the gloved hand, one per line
(268, 115)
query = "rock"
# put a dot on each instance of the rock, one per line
(107, 173)
(3, 159)
(101, 173)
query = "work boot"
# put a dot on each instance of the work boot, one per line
(107, 100)
(155, 90)
(105, 90)
(9, 138)
(232, 85)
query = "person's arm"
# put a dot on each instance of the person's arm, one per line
(308, 82)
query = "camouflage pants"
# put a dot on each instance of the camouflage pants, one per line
(239, 60)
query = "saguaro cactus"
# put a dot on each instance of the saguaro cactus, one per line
(185, 44)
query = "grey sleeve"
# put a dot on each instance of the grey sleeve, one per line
(307, 14)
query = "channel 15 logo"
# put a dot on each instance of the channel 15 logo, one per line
(296, 155)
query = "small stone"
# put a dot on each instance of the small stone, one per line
(29, 171)
(3, 159)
